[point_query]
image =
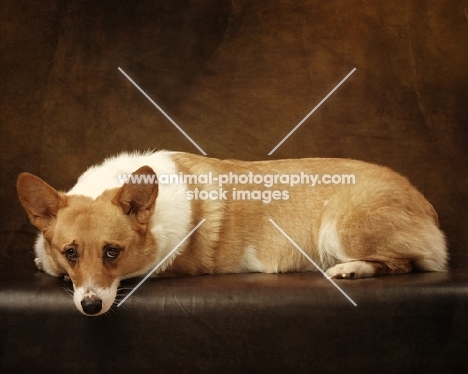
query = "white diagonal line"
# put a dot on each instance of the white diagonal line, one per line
(312, 261)
(162, 111)
(162, 261)
(312, 111)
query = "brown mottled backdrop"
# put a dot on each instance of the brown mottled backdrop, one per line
(237, 76)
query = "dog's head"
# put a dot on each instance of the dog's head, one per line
(96, 242)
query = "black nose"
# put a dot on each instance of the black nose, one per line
(91, 305)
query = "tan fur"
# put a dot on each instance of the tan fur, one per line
(380, 225)
(382, 218)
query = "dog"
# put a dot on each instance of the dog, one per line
(124, 216)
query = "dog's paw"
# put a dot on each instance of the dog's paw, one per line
(38, 263)
(351, 270)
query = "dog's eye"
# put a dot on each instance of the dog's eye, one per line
(111, 252)
(71, 254)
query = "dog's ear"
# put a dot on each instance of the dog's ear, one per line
(40, 200)
(137, 197)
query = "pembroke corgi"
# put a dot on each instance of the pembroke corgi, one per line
(124, 216)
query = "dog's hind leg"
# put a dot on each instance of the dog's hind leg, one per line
(364, 269)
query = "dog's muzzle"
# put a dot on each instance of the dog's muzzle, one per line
(91, 303)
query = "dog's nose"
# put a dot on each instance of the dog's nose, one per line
(91, 304)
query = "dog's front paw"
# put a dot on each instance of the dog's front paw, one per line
(38, 263)
(351, 270)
